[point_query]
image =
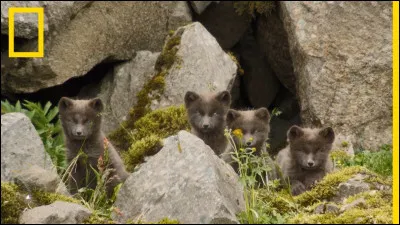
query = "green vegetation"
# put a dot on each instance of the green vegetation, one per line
(380, 161)
(48, 126)
(150, 130)
(152, 90)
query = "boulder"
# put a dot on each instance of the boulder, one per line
(21, 147)
(103, 31)
(56, 14)
(342, 57)
(199, 65)
(224, 23)
(36, 178)
(121, 86)
(58, 212)
(273, 43)
(186, 181)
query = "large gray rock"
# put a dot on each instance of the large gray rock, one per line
(224, 23)
(57, 213)
(259, 79)
(26, 24)
(273, 42)
(21, 147)
(119, 88)
(184, 181)
(36, 178)
(342, 57)
(200, 65)
(103, 31)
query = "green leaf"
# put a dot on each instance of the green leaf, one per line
(46, 108)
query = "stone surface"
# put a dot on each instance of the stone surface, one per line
(357, 203)
(272, 40)
(56, 14)
(104, 31)
(354, 185)
(184, 181)
(200, 65)
(222, 21)
(119, 88)
(57, 213)
(38, 178)
(342, 57)
(21, 147)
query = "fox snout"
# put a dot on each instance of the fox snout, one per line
(206, 123)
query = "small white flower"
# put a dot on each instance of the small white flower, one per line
(28, 197)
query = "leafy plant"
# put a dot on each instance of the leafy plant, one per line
(253, 172)
(48, 126)
(378, 161)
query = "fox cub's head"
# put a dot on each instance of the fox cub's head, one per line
(310, 147)
(80, 118)
(207, 111)
(253, 125)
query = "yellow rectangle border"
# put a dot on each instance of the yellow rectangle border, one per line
(11, 14)
(395, 136)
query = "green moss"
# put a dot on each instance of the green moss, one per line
(345, 144)
(253, 7)
(141, 148)
(45, 198)
(168, 221)
(328, 186)
(378, 209)
(12, 203)
(98, 219)
(151, 129)
(240, 70)
(152, 90)
(282, 200)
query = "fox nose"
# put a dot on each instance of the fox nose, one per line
(79, 133)
(310, 164)
(205, 126)
(248, 143)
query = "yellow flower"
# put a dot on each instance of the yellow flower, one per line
(253, 149)
(238, 133)
(251, 139)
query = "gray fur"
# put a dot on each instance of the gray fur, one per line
(208, 110)
(253, 124)
(81, 121)
(306, 159)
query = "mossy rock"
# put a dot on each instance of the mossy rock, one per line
(152, 90)
(13, 201)
(150, 130)
(378, 209)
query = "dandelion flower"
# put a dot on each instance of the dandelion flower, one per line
(238, 133)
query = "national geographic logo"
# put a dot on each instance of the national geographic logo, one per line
(11, 15)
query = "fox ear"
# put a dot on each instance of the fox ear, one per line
(65, 103)
(190, 97)
(96, 104)
(231, 116)
(224, 97)
(263, 114)
(295, 132)
(328, 134)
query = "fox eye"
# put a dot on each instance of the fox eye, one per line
(85, 120)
